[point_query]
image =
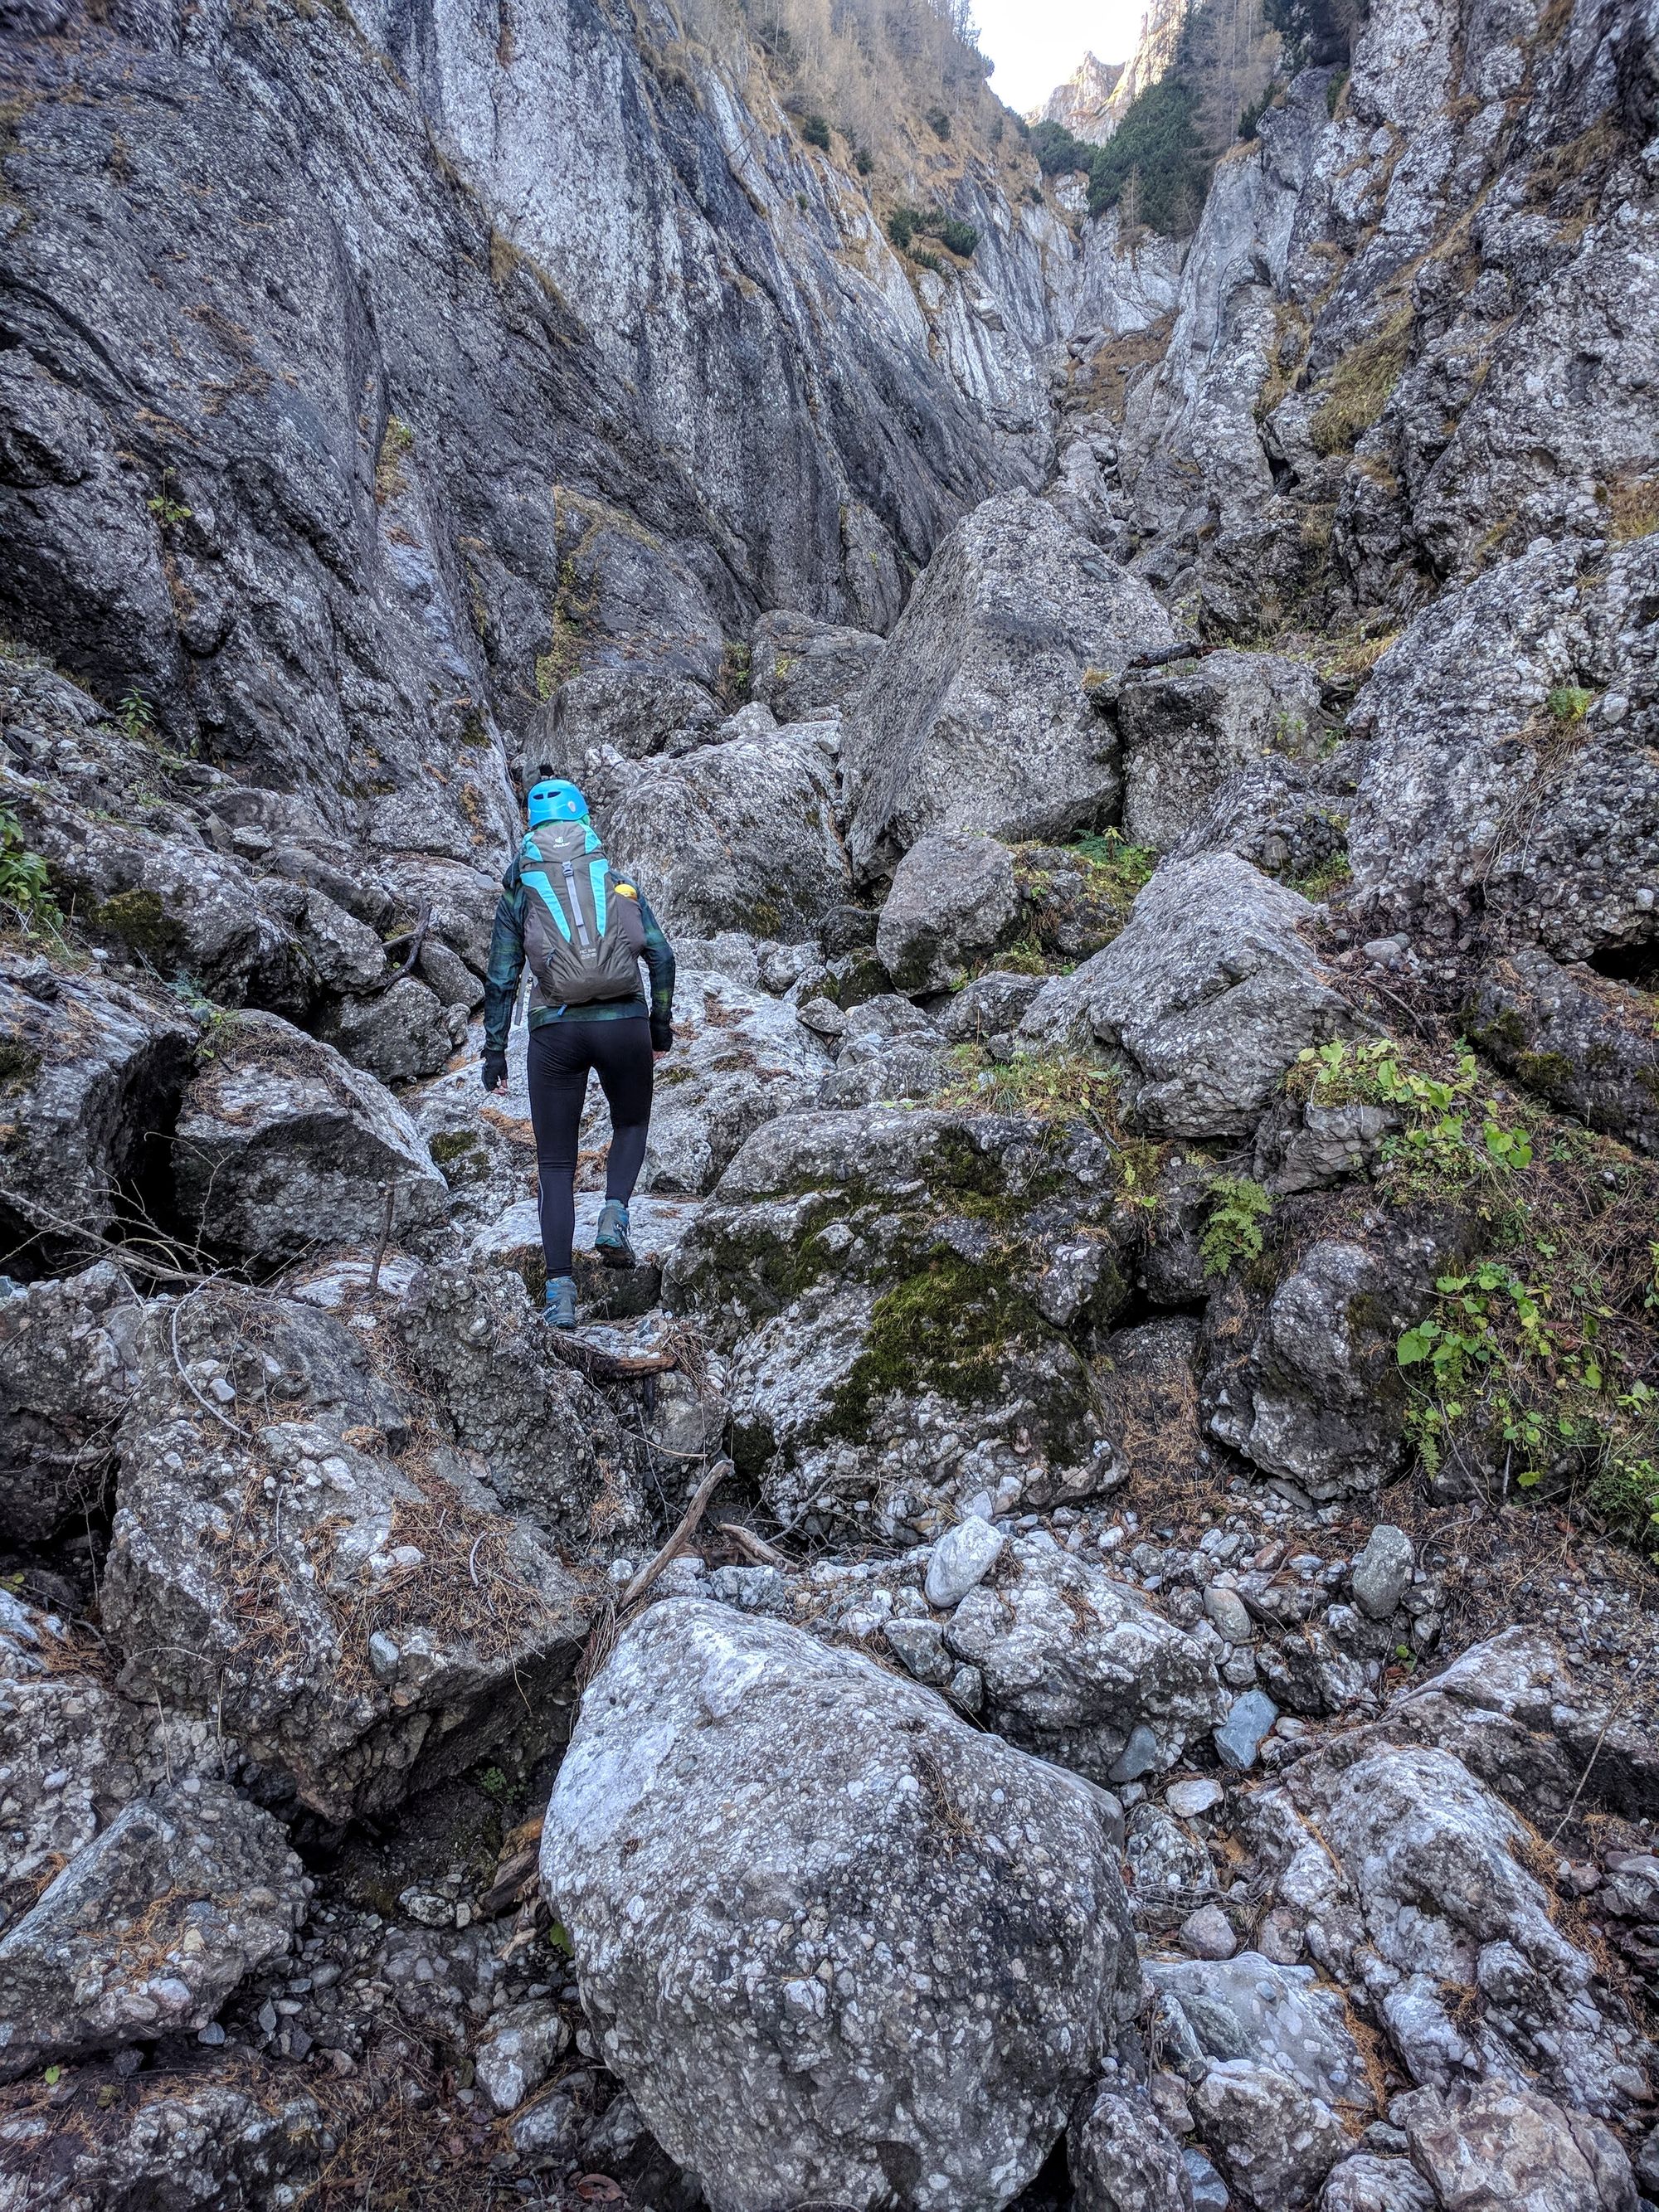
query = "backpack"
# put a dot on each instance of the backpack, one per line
(581, 939)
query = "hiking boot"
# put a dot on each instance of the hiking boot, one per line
(560, 1312)
(610, 1239)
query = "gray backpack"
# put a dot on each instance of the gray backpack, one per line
(582, 934)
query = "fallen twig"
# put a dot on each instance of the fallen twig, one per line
(764, 1555)
(1595, 1752)
(682, 1535)
(387, 1213)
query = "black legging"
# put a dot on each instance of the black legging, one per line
(560, 1054)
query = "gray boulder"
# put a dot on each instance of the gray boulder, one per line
(636, 711)
(353, 1616)
(1283, 817)
(1412, 1881)
(517, 2055)
(975, 716)
(549, 1439)
(798, 666)
(281, 1143)
(807, 1938)
(734, 836)
(397, 1035)
(1586, 1043)
(66, 1372)
(884, 1281)
(1207, 997)
(74, 1751)
(1273, 2142)
(1502, 2148)
(1186, 728)
(1123, 2159)
(990, 1005)
(1279, 2017)
(148, 1929)
(1366, 2183)
(238, 2145)
(1300, 1376)
(1081, 1668)
(953, 898)
(90, 1072)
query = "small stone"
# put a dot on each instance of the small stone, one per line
(1382, 1571)
(1208, 1934)
(383, 1656)
(1187, 1800)
(1239, 1735)
(212, 2034)
(967, 1689)
(919, 1646)
(1140, 1755)
(1229, 1614)
(962, 1559)
(1209, 2189)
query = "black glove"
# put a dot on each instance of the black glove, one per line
(495, 1070)
(662, 1037)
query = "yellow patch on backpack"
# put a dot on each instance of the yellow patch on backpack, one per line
(625, 890)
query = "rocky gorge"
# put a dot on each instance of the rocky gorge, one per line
(1080, 1632)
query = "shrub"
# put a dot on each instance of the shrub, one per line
(1249, 123)
(960, 237)
(902, 226)
(862, 160)
(24, 884)
(1153, 168)
(1058, 151)
(816, 132)
(937, 122)
(1570, 703)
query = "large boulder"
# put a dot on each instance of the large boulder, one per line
(281, 1145)
(975, 716)
(1123, 2159)
(149, 1927)
(1082, 1669)
(1507, 2148)
(1586, 1043)
(66, 1372)
(910, 1299)
(798, 666)
(1495, 779)
(1278, 2017)
(1300, 1373)
(90, 1074)
(1186, 726)
(1413, 1883)
(241, 2144)
(953, 897)
(399, 1034)
(734, 835)
(74, 1751)
(551, 1442)
(837, 1944)
(298, 1552)
(1206, 997)
(1286, 819)
(637, 711)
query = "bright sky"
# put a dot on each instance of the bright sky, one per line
(1036, 44)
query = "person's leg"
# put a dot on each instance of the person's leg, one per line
(622, 1060)
(558, 1071)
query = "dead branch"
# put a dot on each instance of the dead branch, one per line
(681, 1537)
(759, 1550)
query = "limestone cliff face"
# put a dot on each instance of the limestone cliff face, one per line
(1083, 102)
(366, 373)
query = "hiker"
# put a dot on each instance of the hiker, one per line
(584, 933)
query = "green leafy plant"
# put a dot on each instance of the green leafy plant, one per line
(1447, 1133)
(25, 880)
(136, 717)
(167, 511)
(1058, 150)
(1569, 702)
(815, 129)
(1238, 1207)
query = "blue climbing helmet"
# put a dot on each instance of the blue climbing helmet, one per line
(552, 799)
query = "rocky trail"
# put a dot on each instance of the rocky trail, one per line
(1080, 1633)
